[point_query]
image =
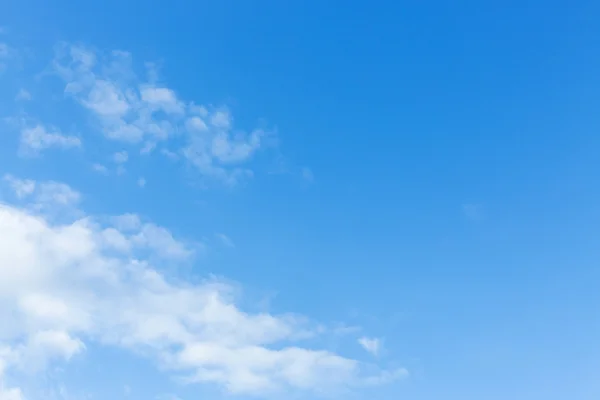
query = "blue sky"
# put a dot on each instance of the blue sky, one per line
(267, 199)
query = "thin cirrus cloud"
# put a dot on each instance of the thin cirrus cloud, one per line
(71, 283)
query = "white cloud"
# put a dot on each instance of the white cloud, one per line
(21, 187)
(198, 110)
(127, 222)
(47, 344)
(372, 345)
(162, 99)
(144, 113)
(101, 169)
(161, 242)
(221, 119)
(120, 157)
(38, 138)
(45, 194)
(141, 182)
(106, 100)
(23, 95)
(237, 149)
(56, 193)
(68, 283)
(196, 124)
(11, 394)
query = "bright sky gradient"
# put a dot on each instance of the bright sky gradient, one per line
(299, 200)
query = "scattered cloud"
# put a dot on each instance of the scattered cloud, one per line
(163, 99)
(11, 394)
(161, 242)
(44, 194)
(21, 187)
(69, 280)
(56, 193)
(127, 109)
(38, 138)
(372, 345)
(66, 284)
(101, 169)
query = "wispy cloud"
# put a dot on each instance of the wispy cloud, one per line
(47, 193)
(147, 114)
(372, 345)
(21, 187)
(38, 138)
(101, 169)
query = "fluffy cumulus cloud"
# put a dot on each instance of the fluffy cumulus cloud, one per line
(143, 112)
(71, 281)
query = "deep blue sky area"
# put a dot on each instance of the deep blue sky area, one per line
(451, 159)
